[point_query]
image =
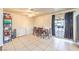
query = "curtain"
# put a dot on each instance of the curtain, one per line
(69, 25)
(53, 25)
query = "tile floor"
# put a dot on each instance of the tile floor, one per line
(33, 43)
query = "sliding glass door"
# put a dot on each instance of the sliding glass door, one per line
(59, 28)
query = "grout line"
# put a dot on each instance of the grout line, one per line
(24, 44)
(13, 45)
(34, 44)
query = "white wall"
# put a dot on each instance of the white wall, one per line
(43, 21)
(75, 24)
(1, 27)
(22, 24)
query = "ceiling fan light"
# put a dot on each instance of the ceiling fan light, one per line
(31, 15)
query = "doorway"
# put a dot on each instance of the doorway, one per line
(59, 28)
(63, 28)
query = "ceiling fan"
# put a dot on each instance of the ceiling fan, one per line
(31, 12)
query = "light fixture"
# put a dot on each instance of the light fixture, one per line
(31, 15)
(31, 12)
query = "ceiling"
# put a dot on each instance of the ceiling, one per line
(32, 12)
